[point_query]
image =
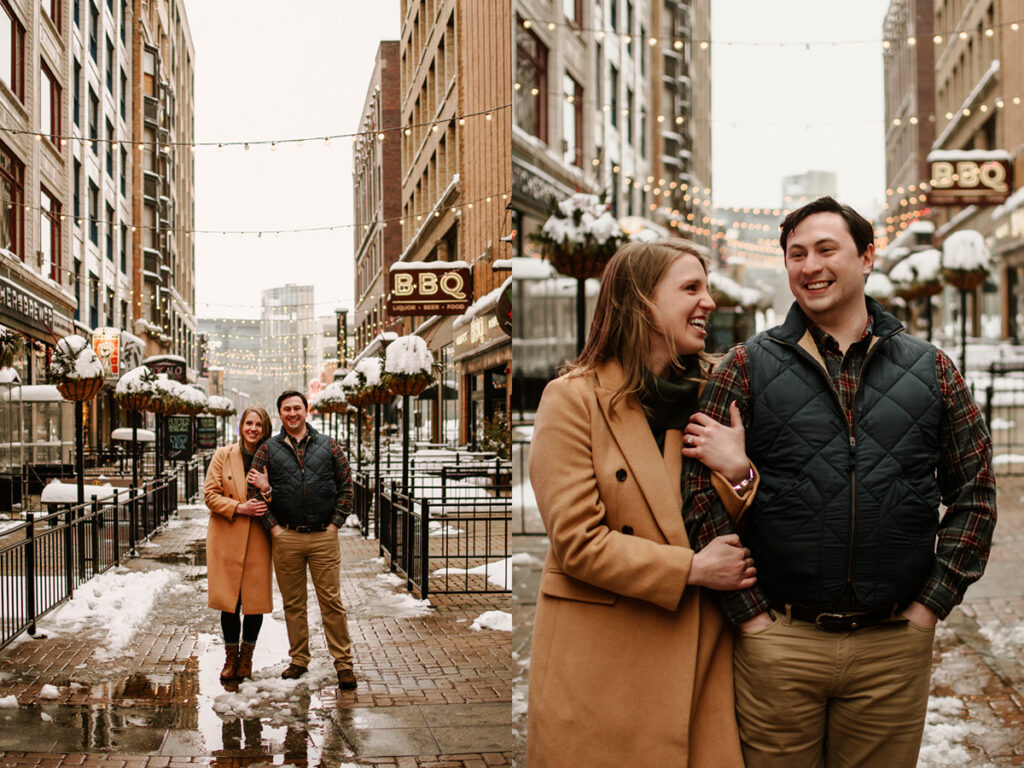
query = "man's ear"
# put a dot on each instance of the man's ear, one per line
(868, 258)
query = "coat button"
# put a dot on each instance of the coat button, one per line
(628, 530)
(621, 475)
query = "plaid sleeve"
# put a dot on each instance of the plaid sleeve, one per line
(259, 463)
(703, 513)
(968, 489)
(343, 481)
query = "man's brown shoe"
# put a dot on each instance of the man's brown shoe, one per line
(346, 679)
(293, 672)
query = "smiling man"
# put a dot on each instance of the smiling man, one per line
(859, 431)
(308, 489)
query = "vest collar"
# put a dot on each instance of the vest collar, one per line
(795, 325)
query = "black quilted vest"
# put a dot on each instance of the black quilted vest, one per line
(302, 494)
(843, 503)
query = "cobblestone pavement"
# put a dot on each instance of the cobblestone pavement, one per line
(976, 713)
(432, 692)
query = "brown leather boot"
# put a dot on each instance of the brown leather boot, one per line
(230, 663)
(244, 667)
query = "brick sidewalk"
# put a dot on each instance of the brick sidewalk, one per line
(425, 683)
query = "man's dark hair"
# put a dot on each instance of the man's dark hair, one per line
(860, 228)
(291, 393)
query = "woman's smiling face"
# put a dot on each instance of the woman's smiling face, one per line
(682, 308)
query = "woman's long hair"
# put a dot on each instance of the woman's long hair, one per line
(264, 416)
(623, 323)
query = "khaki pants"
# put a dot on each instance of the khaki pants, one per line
(292, 551)
(806, 698)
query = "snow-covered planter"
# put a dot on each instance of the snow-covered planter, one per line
(11, 342)
(879, 287)
(408, 366)
(219, 406)
(353, 390)
(580, 236)
(75, 369)
(965, 259)
(135, 389)
(331, 399)
(918, 275)
(372, 389)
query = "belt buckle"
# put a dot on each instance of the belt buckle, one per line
(837, 622)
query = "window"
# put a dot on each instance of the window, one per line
(49, 235)
(599, 76)
(94, 23)
(613, 95)
(12, 199)
(49, 103)
(629, 115)
(123, 231)
(572, 121)
(78, 185)
(110, 307)
(110, 67)
(94, 301)
(12, 51)
(94, 116)
(629, 27)
(643, 135)
(94, 214)
(124, 22)
(78, 23)
(643, 50)
(124, 95)
(532, 75)
(573, 10)
(78, 290)
(613, 14)
(124, 315)
(110, 233)
(78, 94)
(110, 150)
(124, 171)
(52, 8)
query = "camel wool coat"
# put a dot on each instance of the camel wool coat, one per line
(237, 548)
(629, 666)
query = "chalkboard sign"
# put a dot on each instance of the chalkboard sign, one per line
(206, 432)
(179, 438)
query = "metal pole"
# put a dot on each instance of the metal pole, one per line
(135, 448)
(581, 313)
(359, 438)
(376, 441)
(963, 331)
(79, 450)
(405, 444)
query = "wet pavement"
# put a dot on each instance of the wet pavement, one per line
(976, 710)
(432, 692)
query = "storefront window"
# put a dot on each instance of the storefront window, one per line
(12, 197)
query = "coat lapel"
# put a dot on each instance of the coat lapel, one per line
(237, 468)
(629, 428)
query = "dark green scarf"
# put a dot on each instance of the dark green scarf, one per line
(668, 403)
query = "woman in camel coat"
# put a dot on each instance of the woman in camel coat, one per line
(631, 662)
(237, 547)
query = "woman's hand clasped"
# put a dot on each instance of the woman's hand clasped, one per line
(252, 508)
(258, 480)
(724, 564)
(717, 446)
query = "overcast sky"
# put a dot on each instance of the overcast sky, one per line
(814, 104)
(264, 70)
(263, 73)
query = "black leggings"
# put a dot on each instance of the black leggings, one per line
(232, 626)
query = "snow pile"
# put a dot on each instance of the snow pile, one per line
(352, 521)
(498, 573)
(496, 620)
(367, 372)
(965, 251)
(879, 286)
(945, 730)
(436, 529)
(49, 692)
(116, 603)
(125, 433)
(136, 381)
(1005, 641)
(9, 702)
(57, 492)
(8, 376)
(266, 692)
(408, 354)
(920, 268)
(584, 220)
(74, 358)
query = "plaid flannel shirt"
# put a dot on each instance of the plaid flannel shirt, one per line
(342, 479)
(964, 473)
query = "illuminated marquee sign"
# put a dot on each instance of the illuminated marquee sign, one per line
(973, 177)
(430, 288)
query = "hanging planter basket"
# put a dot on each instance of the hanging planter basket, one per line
(377, 396)
(79, 390)
(581, 263)
(408, 384)
(134, 401)
(965, 281)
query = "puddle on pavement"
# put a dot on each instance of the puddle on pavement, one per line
(194, 554)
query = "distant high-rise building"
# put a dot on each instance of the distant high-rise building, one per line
(803, 187)
(288, 343)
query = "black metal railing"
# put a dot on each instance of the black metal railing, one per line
(46, 557)
(1004, 414)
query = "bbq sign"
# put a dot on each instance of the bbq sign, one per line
(430, 288)
(975, 177)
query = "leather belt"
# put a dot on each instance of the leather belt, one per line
(305, 528)
(839, 621)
